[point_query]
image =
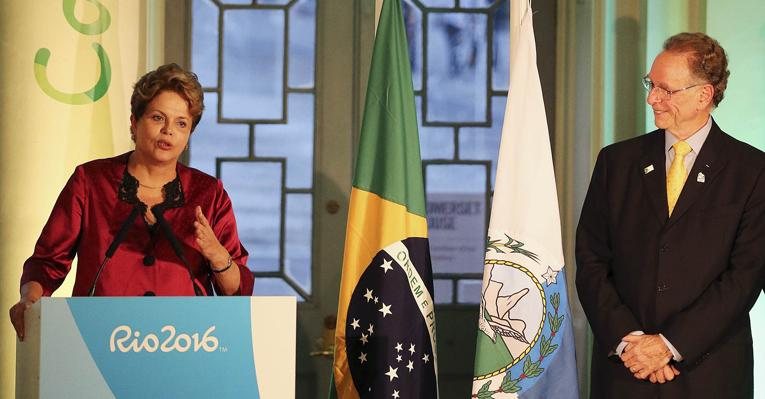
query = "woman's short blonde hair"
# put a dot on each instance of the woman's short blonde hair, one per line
(169, 77)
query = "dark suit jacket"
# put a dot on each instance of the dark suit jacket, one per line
(693, 276)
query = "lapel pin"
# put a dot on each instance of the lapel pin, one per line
(648, 169)
(700, 178)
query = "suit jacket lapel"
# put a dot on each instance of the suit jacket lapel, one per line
(708, 164)
(652, 169)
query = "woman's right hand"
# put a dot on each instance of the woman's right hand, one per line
(30, 293)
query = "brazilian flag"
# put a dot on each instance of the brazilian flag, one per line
(385, 335)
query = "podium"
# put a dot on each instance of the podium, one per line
(158, 347)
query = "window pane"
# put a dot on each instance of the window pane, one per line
(204, 47)
(443, 290)
(435, 142)
(253, 55)
(211, 139)
(480, 143)
(297, 242)
(501, 42)
(456, 209)
(478, 4)
(451, 178)
(469, 291)
(255, 190)
(451, 51)
(438, 3)
(268, 134)
(302, 37)
(265, 286)
(456, 88)
(293, 140)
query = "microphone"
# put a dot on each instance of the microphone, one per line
(177, 248)
(118, 238)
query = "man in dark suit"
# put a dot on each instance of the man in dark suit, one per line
(670, 246)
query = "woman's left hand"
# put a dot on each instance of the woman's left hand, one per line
(208, 244)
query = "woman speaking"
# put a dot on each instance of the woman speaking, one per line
(142, 223)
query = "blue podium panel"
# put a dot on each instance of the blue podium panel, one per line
(159, 347)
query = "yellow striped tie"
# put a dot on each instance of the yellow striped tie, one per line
(677, 174)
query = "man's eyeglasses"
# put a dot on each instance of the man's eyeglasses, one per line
(664, 93)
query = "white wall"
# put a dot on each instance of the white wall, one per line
(739, 25)
(42, 139)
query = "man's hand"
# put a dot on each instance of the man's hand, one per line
(645, 354)
(665, 374)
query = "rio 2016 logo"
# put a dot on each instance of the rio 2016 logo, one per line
(99, 89)
(124, 339)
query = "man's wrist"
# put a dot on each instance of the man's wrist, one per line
(623, 344)
(676, 356)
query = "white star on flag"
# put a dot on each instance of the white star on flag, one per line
(398, 358)
(386, 266)
(395, 394)
(371, 328)
(368, 295)
(399, 348)
(363, 357)
(411, 349)
(392, 373)
(550, 276)
(410, 366)
(364, 338)
(355, 324)
(385, 310)
(426, 358)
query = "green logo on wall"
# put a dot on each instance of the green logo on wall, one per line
(42, 57)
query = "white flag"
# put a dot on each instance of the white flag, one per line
(525, 345)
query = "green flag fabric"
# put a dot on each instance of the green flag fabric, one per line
(385, 333)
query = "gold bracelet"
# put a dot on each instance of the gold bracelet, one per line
(228, 266)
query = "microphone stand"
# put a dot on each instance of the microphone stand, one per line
(177, 248)
(118, 238)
